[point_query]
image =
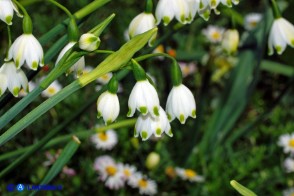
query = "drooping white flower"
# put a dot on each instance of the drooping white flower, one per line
(289, 164)
(12, 78)
(287, 142)
(78, 67)
(6, 11)
(108, 107)
(26, 49)
(288, 192)
(180, 104)
(144, 98)
(105, 140)
(281, 34)
(110, 172)
(145, 185)
(148, 125)
(189, 174)
(89, 42)
(230, 41)
(166, 10)
(52, 89)
(214, 33)
(251, 21)
(142, 23)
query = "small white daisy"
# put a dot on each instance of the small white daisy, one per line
(187, 68)
(281, 34)
(26, 49)
(181, 104)
(52, 89)
(145, 185)
(110, 172)
(141, 24)
(78, 67)
(287, 142)
(148, 125)
(128, 171)
(214, 33)
(252, 20)
(105, 140)
(189, 174)
(105, 78)
(12, 78)
(289, 164)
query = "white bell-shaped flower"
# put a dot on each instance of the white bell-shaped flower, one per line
(108, 107)
(13, 79)
(281, 34)
(142, 23)
(78, 67)
(148, 125)
(180, 104)
(166, 10)
(6, 11)
(26, 49)
(144, 98)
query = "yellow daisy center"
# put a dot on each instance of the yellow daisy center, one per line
(127, 172)
(254, 24)
(291, 144)
(190, 173)
(51, 90)
(103, 136)
(292, 194)
(111, 170)
(105, 77)
(216, 35)
(142, 183)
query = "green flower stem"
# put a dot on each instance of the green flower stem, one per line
(138, 71)
(147, 56)
(91, 7)
(149, 6)
(276, 10)
(9, 39)
(27, 24)
(24, 11)
(62, 8)
(113, 62)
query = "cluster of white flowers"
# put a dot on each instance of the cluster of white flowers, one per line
(117, 175)
(287, 142)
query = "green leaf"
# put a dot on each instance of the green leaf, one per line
(62, 160)
(277, 68)
(242, 189)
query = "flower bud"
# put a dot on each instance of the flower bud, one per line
(89, 42)
(230, 41)
(152, 160)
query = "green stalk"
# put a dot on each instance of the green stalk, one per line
(113, 62)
